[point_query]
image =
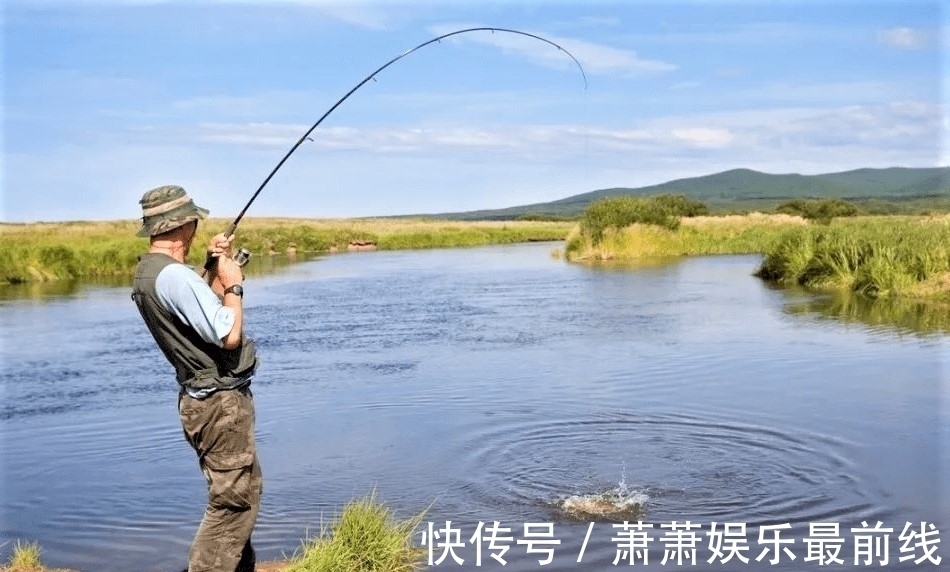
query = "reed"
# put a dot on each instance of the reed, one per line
(69, 250)
(365, 537)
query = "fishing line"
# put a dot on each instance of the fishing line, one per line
(306, 136)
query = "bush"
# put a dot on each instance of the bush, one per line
(620, 212)
(681, 205)
(821, 210)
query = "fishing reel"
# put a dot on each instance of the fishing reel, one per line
(242, 256)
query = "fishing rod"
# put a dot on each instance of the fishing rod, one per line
(306, 135)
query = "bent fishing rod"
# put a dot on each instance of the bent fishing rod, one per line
(306, 135)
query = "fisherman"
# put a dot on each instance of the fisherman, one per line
(197, 320)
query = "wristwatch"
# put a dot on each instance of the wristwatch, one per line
(236, 289)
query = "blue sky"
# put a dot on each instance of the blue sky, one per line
(104, 99)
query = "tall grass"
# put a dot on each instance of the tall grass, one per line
(364, 538)
(54, 251)
(877, 257)
(25, 558)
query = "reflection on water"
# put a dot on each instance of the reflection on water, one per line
(43, 290)
(916, 316)
(258, 265)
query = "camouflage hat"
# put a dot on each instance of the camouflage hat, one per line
(166, 208)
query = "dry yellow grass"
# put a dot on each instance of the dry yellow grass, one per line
(732, 234)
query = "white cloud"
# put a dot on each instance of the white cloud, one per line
(911, 127)
(594, 58)
(704, 136)
(903, 38)
(352, 12)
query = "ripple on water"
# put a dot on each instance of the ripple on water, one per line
(670, 467)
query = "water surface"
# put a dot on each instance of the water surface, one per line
(490, 383)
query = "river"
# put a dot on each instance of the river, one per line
(489, 384)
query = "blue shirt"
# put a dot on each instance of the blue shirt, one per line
(188, 296)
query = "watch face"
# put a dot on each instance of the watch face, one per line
(237, 289)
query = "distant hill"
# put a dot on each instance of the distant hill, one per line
(745, 189)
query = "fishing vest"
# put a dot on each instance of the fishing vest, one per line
(199, 365)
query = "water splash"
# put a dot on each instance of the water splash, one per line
(617, 503)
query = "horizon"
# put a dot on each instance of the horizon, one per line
(429, 214)
(107, 99)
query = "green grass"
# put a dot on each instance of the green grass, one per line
(45, 252)
(878, 257)
(25, 558)
(365, 537)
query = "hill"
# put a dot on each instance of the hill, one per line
(893, 189)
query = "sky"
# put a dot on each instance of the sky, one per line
(105, 99)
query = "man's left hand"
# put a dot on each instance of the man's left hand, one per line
(220, 245)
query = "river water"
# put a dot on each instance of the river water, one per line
(490, 384)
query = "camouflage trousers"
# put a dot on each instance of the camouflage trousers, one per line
(220, 428)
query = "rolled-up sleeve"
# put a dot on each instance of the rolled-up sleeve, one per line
(190, 299)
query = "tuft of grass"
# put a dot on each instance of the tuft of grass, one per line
(365, 537)
(25, 558)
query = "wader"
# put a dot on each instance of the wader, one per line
(219, 426)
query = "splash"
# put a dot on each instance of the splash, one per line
(618, 503)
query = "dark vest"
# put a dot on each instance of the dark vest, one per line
(198, 364)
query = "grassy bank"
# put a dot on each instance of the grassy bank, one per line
(55, 251)
(733, 234)
(364, 537)
(882, 256)
(879, 257)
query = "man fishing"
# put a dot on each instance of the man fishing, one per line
(197, 321)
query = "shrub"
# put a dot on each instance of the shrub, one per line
(681, 205)
(822, 210)
(620, 212)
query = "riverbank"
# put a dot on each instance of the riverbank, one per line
(43, 252)
(876, 256)
(364, 537)
(700, 235)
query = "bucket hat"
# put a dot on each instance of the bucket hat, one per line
(166, 208)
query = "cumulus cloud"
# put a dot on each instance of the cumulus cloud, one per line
(903, 38)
